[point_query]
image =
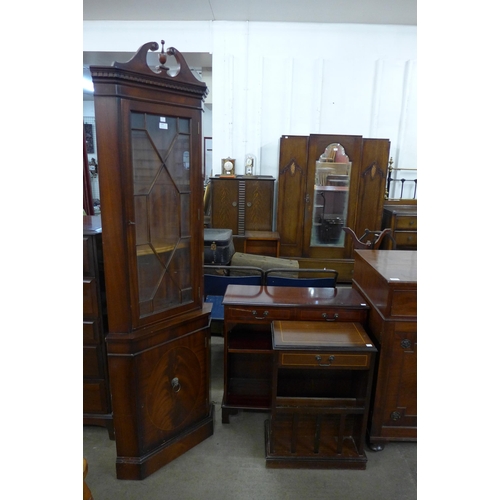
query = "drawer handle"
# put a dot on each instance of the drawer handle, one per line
(234, 204)
(260, 317)
(330, 359)
(335, 317)
(176, 386)
(412, 222)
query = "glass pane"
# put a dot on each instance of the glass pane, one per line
(184, 126)
(162, 212)
(331, 197)
(178, 162)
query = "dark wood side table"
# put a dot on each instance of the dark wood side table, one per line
(322, 378)
(388, 281)
(248, 353)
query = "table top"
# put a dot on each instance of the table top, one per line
(397, 266)
(320, 336)
(280, 296)
(401, 209)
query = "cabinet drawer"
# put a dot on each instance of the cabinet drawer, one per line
(405, 238)
(91, 330)
(92, 362)
(324, 360)
(94, 397)
(406, 222)
(265, 314)
(353, 315)
(90, 302)
(88, 257)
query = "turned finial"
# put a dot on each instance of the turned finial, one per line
(162, 56)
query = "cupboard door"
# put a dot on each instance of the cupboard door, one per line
(160, 147)
(242, 204)
(372, 181)
(400, 408)
(225, 208)
(174, 394)
(292, 194)
(258, 209)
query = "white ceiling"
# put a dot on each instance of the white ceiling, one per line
(311, 11)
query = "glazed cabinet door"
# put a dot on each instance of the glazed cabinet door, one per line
(163, 222)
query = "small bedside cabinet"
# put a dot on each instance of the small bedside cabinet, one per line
(322, 379)
(402, 219)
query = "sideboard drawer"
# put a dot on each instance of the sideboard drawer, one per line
(91, 331)
(92, 362)
(94, 397)
(90, 302)
(353, 315)
(88, 257)
(405, 239)
(406, 222)
(259, 313)
(324, 360)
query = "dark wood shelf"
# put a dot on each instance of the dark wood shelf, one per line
(248, 341)
(336, 405)
(305, 456)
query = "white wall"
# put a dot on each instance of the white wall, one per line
(272, 79)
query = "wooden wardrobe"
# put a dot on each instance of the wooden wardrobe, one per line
(300, 201)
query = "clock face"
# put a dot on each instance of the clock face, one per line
(228, 165)
(249, 162)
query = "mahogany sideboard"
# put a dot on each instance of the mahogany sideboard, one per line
(248, 351)
(387, 279)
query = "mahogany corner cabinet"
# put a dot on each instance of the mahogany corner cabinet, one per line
(148, 131)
